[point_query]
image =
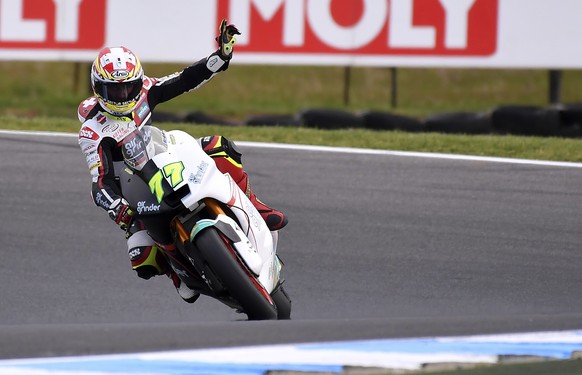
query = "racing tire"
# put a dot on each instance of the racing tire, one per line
(329, 119)
(377, 120)
(225, 265)
(283, 302)
(570, 120)
(526, 120)
(166, 117)
(459, 123)
(272, 120)
(198, 117)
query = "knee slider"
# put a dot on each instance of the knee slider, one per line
(145, 257)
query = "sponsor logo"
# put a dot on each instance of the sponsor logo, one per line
(93, 158)
(52, 24)
(143, 109)
(110, 128)
(134, 254)
(88, 133)
(89, 148)
(197, 177)
(167, 138)
(142, 207)
(133, 147)
(366, 27)
(120, 74)
(94, 166)
(251, 210)
(121, 133)
(212, 61)
(101, 201)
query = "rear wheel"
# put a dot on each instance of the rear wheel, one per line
(283, 302)
(220, 257)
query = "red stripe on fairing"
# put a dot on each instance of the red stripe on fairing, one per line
(244, 268)
(262, 290)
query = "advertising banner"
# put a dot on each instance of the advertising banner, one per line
(429, 33)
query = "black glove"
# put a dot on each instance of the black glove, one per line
(226, 40)
(120, 212)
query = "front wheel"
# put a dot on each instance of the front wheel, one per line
(220, 257)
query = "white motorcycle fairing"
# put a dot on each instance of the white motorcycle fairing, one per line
(186, 164)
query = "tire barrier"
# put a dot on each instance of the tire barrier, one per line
(526, 120)
(329, 119)
(570, 114)
(561, 121)
(459, 123)
(377, 120)
(272, 120)
(166, 117)
(571, 120)
(198, 117)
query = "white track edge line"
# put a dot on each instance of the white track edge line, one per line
(348, 150)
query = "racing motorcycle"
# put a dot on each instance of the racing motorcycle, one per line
(223, 247)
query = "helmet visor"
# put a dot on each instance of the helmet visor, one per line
(119, 92)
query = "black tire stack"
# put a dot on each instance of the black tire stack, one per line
(558, 121)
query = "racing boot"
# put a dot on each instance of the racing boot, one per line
(187, 294)
(228, 159)
(145, 256)
(275, 219)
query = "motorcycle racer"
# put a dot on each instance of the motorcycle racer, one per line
(123, 98)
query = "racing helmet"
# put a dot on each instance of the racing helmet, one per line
(117, 80)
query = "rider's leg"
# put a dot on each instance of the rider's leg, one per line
(229, 160)
(148, 261)
(187, 294)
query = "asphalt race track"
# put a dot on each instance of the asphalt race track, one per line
(377, 246)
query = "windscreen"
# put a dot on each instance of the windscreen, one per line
(141, 145)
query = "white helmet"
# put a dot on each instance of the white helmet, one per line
(117, 80)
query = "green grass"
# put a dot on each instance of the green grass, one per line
(55, 89)
(540, 148)
(45, 95)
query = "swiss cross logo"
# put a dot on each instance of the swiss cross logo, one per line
(63, 24)
(366, 27)
(89, 102)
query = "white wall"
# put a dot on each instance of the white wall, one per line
(455, 33)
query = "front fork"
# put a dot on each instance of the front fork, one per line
(177, 226)
(183, 241)
(215, 209)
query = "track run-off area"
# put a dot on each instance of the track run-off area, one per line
(392, 260)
